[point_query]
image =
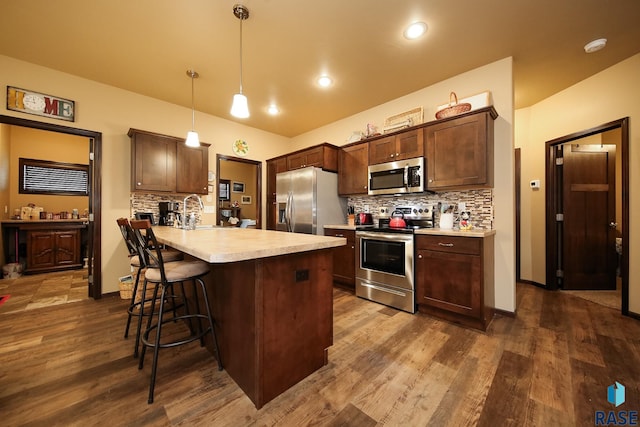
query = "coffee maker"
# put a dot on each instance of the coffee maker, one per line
(169, 212)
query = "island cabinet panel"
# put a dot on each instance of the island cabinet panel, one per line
(344, 258)
(399, 146)
(51, 250)
(274, 318)
(192, 169)
(459, 152)
(353, 173)
(274, 167)
(454, 278)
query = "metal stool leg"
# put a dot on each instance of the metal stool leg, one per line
(156, 347)
(149, 320)
(132, 303)
(211, 323)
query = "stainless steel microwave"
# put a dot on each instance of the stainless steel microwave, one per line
(401, 176)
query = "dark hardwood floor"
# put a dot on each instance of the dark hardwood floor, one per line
(549, 366)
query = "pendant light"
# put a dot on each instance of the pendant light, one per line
(192, 136)
(239, 108)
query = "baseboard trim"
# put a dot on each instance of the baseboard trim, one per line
(634, 315)
(531, 282)
(504, 313)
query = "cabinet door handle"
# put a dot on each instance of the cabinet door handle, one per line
(420, 256)
(339, 235)
(448, 245)
(391, 156)
(139, 183)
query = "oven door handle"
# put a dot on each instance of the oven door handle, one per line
(381, 289)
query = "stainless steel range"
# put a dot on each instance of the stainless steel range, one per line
(384, 259)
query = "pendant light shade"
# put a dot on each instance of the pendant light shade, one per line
(240, 107)
(192, 136)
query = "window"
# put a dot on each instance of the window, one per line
(223, 191)
(45, 177)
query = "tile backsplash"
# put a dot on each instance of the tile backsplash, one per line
(478, 202)
(143, 202)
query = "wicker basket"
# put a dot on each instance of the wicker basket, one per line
(126, 288)
(454, 108)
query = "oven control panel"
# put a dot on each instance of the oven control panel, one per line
(417, 211)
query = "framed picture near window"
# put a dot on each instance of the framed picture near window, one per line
(238, 187)
(245, 200)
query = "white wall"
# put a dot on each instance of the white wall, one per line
(495, 77)
(607, 96)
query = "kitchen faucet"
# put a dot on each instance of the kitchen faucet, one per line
(185, 220)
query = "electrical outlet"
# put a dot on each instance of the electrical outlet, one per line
(208, 209)
(462, 206)
(366, 208)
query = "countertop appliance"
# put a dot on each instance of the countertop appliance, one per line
(364, 219)
(169, 212)
(399, 177)
(384, 259)
(307, 199)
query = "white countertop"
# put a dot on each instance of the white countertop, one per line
(230, 244)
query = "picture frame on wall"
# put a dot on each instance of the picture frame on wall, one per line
(238, 187)
(245, 200)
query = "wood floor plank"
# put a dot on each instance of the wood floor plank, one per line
(69, 365)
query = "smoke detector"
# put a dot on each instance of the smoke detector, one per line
(595, 45)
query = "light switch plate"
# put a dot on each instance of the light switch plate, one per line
(209, 209)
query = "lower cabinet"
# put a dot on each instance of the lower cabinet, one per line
(455, 278)
(50, 250)
(344, 258)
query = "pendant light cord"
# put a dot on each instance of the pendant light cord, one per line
(193, 108)
(241, 19)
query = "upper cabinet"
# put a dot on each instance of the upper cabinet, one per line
(161, 163)
(192, 169)
(400, 146)
(323, 156)
(353, 176)
(459, 151)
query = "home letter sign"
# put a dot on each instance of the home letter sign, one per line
(40, 104)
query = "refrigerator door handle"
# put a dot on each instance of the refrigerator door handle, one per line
(287, 212)
(292, 213)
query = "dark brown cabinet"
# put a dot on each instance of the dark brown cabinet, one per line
(274, 167)
(353, 175)
(54, 249)
(454, 278)
(161, 163)
(459, 151)
(323, 156)
(344, 258)
(400, 146)
(192, 169)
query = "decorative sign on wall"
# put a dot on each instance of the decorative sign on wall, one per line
(40, 104)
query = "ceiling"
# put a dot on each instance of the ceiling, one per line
(147, 46)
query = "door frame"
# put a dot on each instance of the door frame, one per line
(258, 166)
(551, 203)
(95, 193)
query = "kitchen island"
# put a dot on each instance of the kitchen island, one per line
(271, 294)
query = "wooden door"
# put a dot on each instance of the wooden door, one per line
(382, 150)
(588, 226)
(353, 173)
(410, 144)
(154, 164)
(192, 169)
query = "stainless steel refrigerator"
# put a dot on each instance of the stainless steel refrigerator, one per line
(307, 200)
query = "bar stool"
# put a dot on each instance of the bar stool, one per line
(134, 260)
(164, 276)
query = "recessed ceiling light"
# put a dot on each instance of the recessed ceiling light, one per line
(325, 81)
(415, 30)
(273, 109)
(595, 45)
